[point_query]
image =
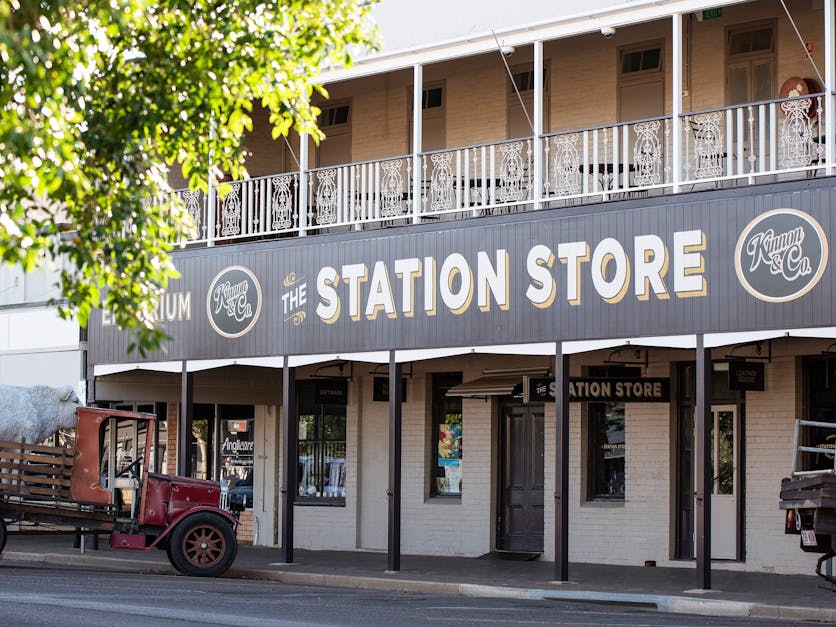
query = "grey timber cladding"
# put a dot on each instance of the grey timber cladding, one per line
(704, 262)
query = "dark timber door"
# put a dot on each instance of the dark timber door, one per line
(521, 512)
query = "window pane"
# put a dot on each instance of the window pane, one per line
(432, 98)
(446, 447)
(450, 454)
(762, 40)
(307, 427)
(334, 425)
(607, 449)
(631, 62)
(739, 84)
(763, 81)
(724, 468)
(651, 58)
(740, 43)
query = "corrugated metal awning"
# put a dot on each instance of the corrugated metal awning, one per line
(487, 385)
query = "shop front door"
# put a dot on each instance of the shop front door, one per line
(724, 485)
(521, 493)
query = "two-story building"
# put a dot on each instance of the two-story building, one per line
(572, 309)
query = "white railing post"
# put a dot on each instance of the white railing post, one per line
(303, 183)
(676, 101)
(210, 195)
(830, 86)
(538, 124)
(417, 120)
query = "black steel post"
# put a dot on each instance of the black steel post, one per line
(184, 427)
(290, 429)
(561, 465)
(394, 491)
(704, 472)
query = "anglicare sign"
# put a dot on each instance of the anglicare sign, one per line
(722, 261)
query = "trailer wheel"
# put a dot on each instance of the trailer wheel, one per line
(3, 534)
(203, 545)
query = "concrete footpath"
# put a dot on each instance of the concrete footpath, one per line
(796, 597)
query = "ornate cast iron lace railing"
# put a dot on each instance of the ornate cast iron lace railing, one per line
(607, 161)
(750, 143)
(477, 180)
(754, 141)
(360, 193)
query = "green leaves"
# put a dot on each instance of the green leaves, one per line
(97, 98)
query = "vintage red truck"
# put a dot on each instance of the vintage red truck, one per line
(50, 488)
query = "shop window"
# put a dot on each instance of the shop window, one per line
(237, 445)
(321, 447)
(446, 445)
(606, 451)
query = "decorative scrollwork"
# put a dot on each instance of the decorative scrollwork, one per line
(511, 173)
(391, 189)
(326, 197)
(297, 318)
(566, 165)
(281, 203)
(231, 212)
(647, 153)
(708, 144)
(441, 182)
(191, 198)
(796, 134)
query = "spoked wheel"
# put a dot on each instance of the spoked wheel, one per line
(3, 534)
(203, 545)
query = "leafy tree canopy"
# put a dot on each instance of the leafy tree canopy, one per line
(99, 98)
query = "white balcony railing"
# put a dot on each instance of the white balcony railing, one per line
(759, 142)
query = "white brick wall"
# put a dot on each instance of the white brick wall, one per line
(638, 529)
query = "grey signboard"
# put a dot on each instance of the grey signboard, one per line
(710, 262)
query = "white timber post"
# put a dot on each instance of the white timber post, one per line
(210, 184)
(538, 124)
(830, 86)
(676, 102)
(417, 120)
(303, 184)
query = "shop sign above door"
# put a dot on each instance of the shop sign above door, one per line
(600, 390)
(746, 375)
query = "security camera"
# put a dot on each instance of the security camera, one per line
(507, 50)
(608, 31)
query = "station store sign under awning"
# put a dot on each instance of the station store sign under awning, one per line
(720, 262)
(601, 390)
(540, 389)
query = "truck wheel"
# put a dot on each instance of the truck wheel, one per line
(3, 534)
(203, 545)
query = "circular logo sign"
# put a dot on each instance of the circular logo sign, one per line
(780, 255)
(233, 302)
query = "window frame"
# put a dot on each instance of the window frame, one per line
(750, 58)
(440, 382)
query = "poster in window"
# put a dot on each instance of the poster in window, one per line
(450, 458)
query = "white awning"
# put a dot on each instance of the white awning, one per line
(730, 339)
(100, 370)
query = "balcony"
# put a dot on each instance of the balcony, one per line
(761, 142)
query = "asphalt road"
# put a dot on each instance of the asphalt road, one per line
(66, 596)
